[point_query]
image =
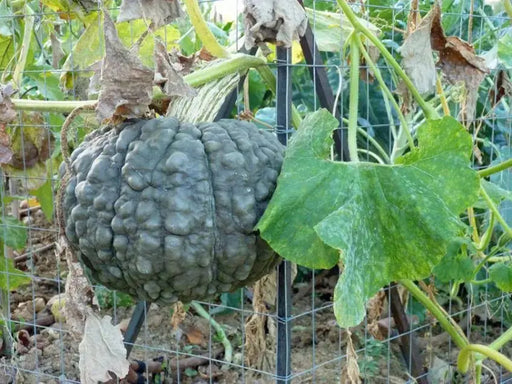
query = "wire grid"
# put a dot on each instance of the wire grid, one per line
(317, 346)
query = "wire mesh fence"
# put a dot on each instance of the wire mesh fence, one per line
(283, 329)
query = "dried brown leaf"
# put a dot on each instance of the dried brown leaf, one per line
(126, 84)
(5, 146)
(166, 76)
(101, 351)
(502, 87)
(459, 63)
(160, 12)
(350, 373)
(418, 60)
(374, 310)
(273, 21)
(7, 112)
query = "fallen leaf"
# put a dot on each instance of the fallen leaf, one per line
(195, 336)
(126, 84)
(273, 21)
(7, 112)
(160, 12)
(166, 77)
(459, 63)
(101, 351)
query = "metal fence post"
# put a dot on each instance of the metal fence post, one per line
(284, 284)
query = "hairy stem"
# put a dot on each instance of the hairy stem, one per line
(502, 340)
(387, 93)
(495, 169)
(495, 211)
(465, 355)
(25, 46)
(429, 112)
(353, 98)
(444, 320)
(210, 43)
(228, 349)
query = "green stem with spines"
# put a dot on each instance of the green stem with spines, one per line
(387, 93)
(25, 46)
(459, 339)
(353, 98)
(495, 211)
(429, 112)
(465, 356)
(495, 168)
(210, 43)
(502, 340)
(228, 349)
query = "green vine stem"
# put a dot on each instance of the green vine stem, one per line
(270, 80)
(210, 43)
(429, 112)
(465, 357)
(445, 322)
(508, 8)
(495, 169)
(502, 340)
(25, 45)
(51, 106)
(228, 349)
(354, 98)
(495, 211)
(386, 92)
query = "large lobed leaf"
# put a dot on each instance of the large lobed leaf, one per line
(384, 223)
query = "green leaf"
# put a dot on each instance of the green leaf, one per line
(456, 267)
(505, 49)
(44, 195)
(12, 232)
(501, 275)
(386, 222)
(10, 277)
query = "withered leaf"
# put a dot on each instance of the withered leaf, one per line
(166, 76)
(160, 12)
(502, 87)
(274, 21)
(5, 147)
(7, 112)
(418, 60)
(459, 63)
(126, 84)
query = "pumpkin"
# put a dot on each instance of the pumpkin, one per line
(165, 211)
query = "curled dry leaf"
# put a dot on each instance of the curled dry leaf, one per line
(7, 112)
(274, 21)
(101, 351)
(166, 76)
(126, 84)
(350, 373)
(502, 87)
(160, 12)
(459, 63)
(418, 60)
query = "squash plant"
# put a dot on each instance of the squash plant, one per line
(391, 221)
(383, 222)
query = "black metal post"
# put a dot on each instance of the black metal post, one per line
(136, 321)
(284, 283)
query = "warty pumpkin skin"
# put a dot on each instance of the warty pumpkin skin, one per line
(165, 211)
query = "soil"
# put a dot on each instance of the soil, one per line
(49, 354)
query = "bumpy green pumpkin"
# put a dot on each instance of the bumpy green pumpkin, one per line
(165, 211)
